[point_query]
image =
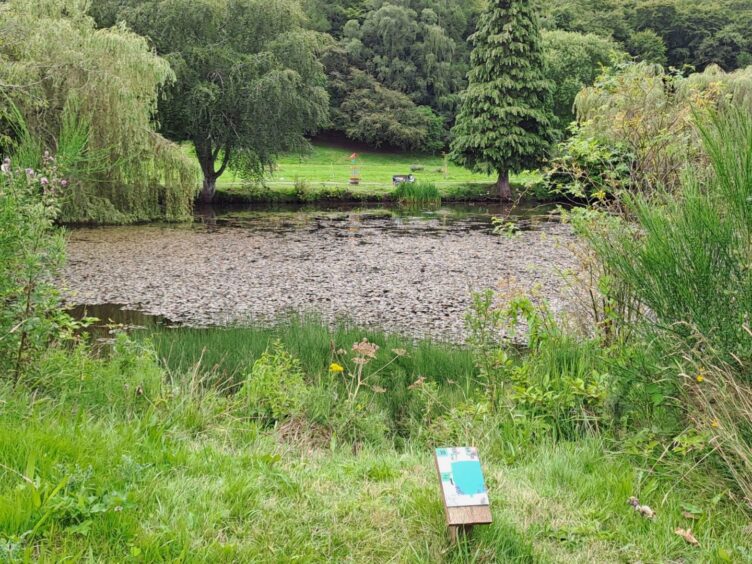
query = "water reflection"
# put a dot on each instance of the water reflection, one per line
(399, 220)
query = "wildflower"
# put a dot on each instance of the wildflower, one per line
(378, 389)
(43, 181)
(399, 352)
(715, 423)
(365, 348)
(63, 183)
(334, 367)
(360, 360)
(417, 384)
(30, 172)
(700, 378)
(5, 167)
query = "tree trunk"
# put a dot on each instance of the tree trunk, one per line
(208, 188)
(503, 187)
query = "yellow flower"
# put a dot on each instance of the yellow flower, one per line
(334, 367)
(715, 424)
(700, 378)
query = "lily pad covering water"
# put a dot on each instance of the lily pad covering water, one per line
(412, 274)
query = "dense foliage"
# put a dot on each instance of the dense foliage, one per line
(31, 253)
(574, 61)
(504, 124)
(673, 32)
(395, 69)
(682, 269)
(248, 86)
(637, 128)
(90, 96)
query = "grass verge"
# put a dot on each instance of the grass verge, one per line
(140, 458)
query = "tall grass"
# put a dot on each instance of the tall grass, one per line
(227, 352)
(687, 261)
(417, 193)
(224, 357)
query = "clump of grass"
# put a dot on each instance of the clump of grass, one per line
(224, 356)
(417, 193)
(228, 352)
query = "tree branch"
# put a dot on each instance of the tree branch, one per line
(225, 161)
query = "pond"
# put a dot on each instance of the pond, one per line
(410, 271)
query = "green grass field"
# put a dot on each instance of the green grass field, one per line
(142, 458)
(327, 169)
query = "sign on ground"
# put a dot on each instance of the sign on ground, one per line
(463, 487)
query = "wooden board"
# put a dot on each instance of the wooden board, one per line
(461, 515)
(474, 515)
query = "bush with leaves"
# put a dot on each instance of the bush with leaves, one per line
(274, 388)
(648, 114)
(684, 259)
(32, 251)
(560, 384)
(587, 169)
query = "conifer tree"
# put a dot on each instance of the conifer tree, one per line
(504, 124)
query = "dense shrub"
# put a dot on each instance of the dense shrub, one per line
(559, 386)
(586, 169)
(31, 254)
(646, 113)
(686, 259)
(685, 263)
(274, 388)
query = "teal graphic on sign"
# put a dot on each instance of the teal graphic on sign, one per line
(468, 477)
(461, 477)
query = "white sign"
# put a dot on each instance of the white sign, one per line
(461, 477)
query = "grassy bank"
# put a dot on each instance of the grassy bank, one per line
(324, 174)
(157, 464)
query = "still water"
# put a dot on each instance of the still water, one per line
(406, 270)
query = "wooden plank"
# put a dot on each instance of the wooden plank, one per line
(475, 515)
(455, 516)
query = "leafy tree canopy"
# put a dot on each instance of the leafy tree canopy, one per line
(573, 61)
(413, 48)
(249, 83)
(89, 96)
(691, 32)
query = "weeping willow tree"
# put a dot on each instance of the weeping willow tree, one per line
(90, 97)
